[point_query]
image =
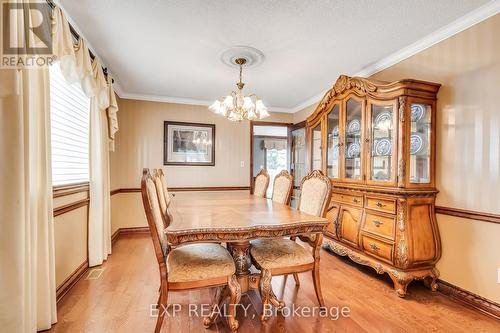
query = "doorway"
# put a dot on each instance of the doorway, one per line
(270, 150)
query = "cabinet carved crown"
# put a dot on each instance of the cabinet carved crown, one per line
(376, 142)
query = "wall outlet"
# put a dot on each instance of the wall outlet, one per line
(242, 164)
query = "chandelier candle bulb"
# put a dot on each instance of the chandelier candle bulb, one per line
(237, 106)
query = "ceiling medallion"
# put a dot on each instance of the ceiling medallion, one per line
(236, 106)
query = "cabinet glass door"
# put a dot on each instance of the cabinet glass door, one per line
(298, 164)
(382, 139)
(316, 147)
(333, 141)
(420, 141)
(353, 136)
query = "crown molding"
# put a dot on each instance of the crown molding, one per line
(474, 17)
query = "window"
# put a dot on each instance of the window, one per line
(69, 111)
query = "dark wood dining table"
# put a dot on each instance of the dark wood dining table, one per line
(235, 218)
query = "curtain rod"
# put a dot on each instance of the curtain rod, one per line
(77, 37)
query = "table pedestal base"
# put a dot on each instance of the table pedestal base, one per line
(247, 281)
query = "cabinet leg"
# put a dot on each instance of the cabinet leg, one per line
(431, 280)
(401, 281)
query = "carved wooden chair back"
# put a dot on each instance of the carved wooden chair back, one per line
(282, 187)
(163, 197)
(154, 217)
(163, 180)
(261, 184)
(315, 194)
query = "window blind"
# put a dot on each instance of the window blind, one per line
(69, 111)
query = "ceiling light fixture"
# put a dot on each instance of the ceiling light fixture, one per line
(236, 106)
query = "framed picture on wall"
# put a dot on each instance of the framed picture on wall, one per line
(188, 143)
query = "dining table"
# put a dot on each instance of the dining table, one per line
(235, 218)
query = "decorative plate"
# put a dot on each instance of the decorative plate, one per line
(354, 126)
(383, 120)
(353, 150)
(383, 147)
(335, 131)
(416, 143)
(417, 112)
(335, 152)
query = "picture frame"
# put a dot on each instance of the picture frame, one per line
(188, 144)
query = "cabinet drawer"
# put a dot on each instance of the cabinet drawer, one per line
(356, 200)
(379, 225)
(383, 205)
(377, 248)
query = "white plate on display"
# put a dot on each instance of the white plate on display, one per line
(335, 131)
(354, 126)
(416, 143)
(353, 150)
(417, 112)
(335, 152)
(383, 120)
(383, 147)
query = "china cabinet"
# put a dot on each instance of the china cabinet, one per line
(376, 142)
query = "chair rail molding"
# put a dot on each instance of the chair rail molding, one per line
(468, 214)
(186, 189)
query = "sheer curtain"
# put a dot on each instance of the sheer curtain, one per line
(99, 209)
(27, 269)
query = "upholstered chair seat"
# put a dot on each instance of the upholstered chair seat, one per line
(196, 262)
(276, 253)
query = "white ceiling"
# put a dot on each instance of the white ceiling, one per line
(170, 50)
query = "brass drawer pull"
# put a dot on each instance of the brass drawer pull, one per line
(355, 200)
(374, 247)
(377, 223)
(379, 204)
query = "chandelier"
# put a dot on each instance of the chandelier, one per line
(236, 106)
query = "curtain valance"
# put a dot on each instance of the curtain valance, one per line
(77, 66)
(277, 144)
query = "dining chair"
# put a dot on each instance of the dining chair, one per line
(282, 193)
(261, 183)
(282, 187)
(281, 256)
(190, 266)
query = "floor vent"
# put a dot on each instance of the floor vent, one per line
(94, 274)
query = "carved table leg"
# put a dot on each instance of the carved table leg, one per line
(241, 256)
(220, 295)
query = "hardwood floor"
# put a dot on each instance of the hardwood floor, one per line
(119, 301)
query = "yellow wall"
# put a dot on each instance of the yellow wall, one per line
(468, 149)
(70, 237)
(139, 144)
